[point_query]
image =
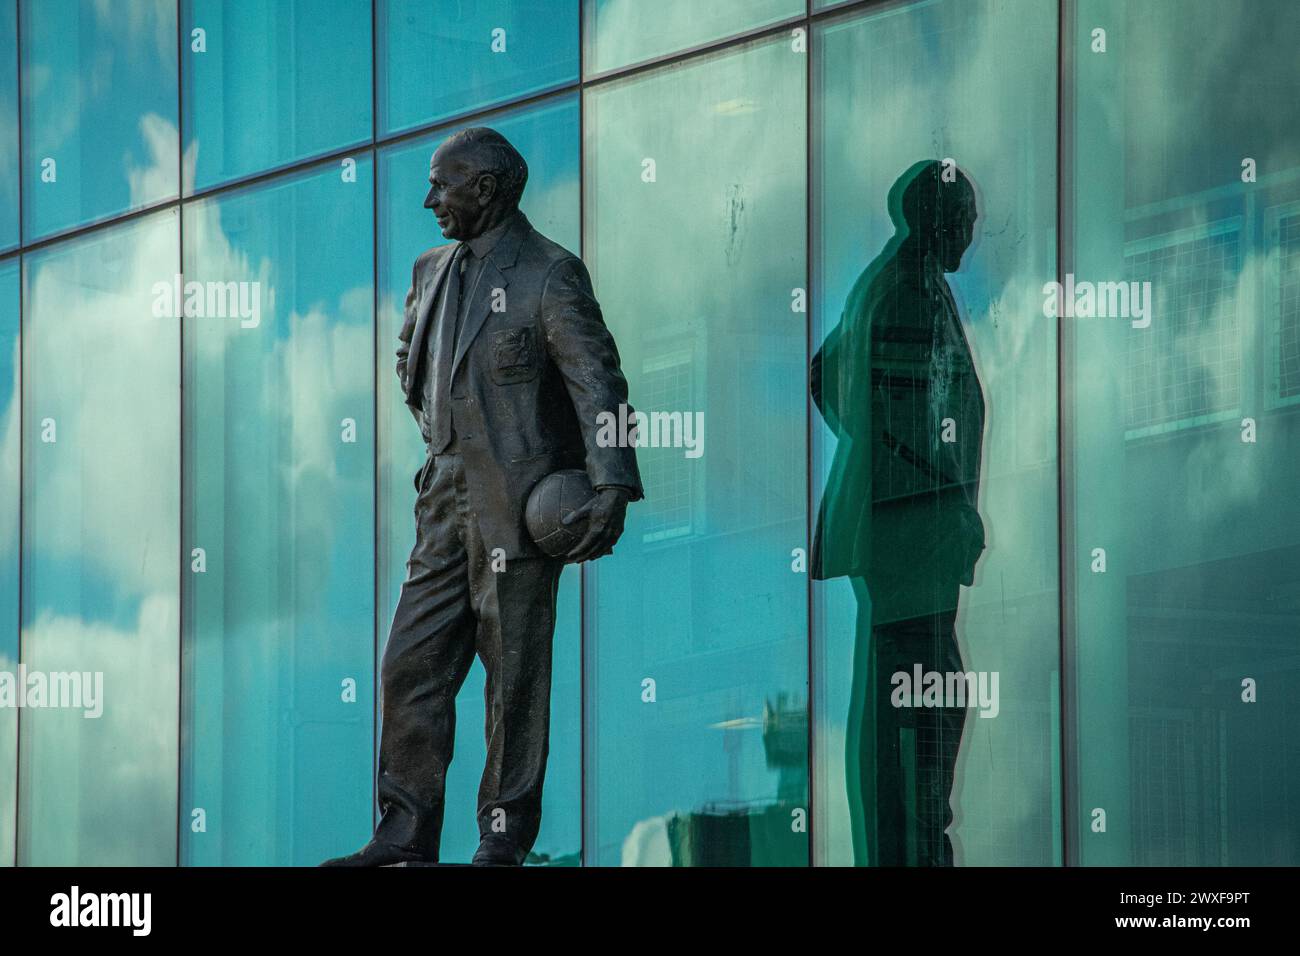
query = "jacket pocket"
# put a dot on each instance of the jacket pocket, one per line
(514, 356)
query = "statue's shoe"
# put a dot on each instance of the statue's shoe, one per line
(377, 854)
(496, 850)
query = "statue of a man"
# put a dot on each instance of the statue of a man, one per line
(506, 364)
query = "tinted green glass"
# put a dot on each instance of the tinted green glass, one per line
(268, 82)
(9, 504)
(101, 536)
(935, 415)
(1184, 529)
(279, 494)
(8, 124)
(621, 32)
(547, 136)
(698, 640)
(437, 60)
(98, 111)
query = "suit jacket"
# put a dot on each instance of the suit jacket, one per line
(901, 503)
(527, 382)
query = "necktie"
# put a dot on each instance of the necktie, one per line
(438, 400)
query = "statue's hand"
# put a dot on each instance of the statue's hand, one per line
(605, 512)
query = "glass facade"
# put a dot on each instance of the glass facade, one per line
(972, 329)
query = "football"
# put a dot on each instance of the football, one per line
(552, 499)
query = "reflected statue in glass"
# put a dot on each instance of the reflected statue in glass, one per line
(896, 382)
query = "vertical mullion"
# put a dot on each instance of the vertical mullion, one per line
(22, 421)
(180, 418)
(809, 469)
(377, 584)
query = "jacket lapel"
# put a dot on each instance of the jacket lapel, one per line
(416, 356)
(495, 274)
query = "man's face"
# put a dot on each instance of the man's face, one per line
(456, 194)
(957, 235)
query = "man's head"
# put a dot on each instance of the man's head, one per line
(936, 211)
(475, 180)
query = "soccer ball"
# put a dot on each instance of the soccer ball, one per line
(552, 499)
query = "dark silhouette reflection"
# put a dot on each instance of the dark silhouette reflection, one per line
(895, 380)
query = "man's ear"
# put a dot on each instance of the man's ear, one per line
(487, 189)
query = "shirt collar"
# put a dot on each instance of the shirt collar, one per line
(482, 245)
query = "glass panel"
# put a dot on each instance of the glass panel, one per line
(275, 81)
(99, 110)
(9, 492)
(441, 60)
(101, 535)
(1184, 385)
(621, 32)
(279, 493)
(695, 179)
(547, 136)
(8, 124)
(936, 435)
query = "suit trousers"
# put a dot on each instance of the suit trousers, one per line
(452, 605)
(902, 761)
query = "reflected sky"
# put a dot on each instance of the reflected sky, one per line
(439, 60)
(281, 502)
(101, 536)
(99, 98)
(281, 80)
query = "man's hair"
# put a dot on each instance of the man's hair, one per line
(496, 156)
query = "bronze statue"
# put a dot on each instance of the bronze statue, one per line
(506, 365)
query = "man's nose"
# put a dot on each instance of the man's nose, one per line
(430, 199)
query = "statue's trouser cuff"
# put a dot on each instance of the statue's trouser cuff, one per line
(452, 605)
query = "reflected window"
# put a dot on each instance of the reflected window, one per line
(1184, 530)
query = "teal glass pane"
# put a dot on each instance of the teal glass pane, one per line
(9, 503)
(619, 33)
(1184, 529)
(101, 538)
(547, 136)
(8, 124)
(439, 60)
(936, 414)
(695, 179)
(270, 82)
(98, 110)
(279, 495)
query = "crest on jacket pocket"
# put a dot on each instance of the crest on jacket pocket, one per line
(514, 355)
